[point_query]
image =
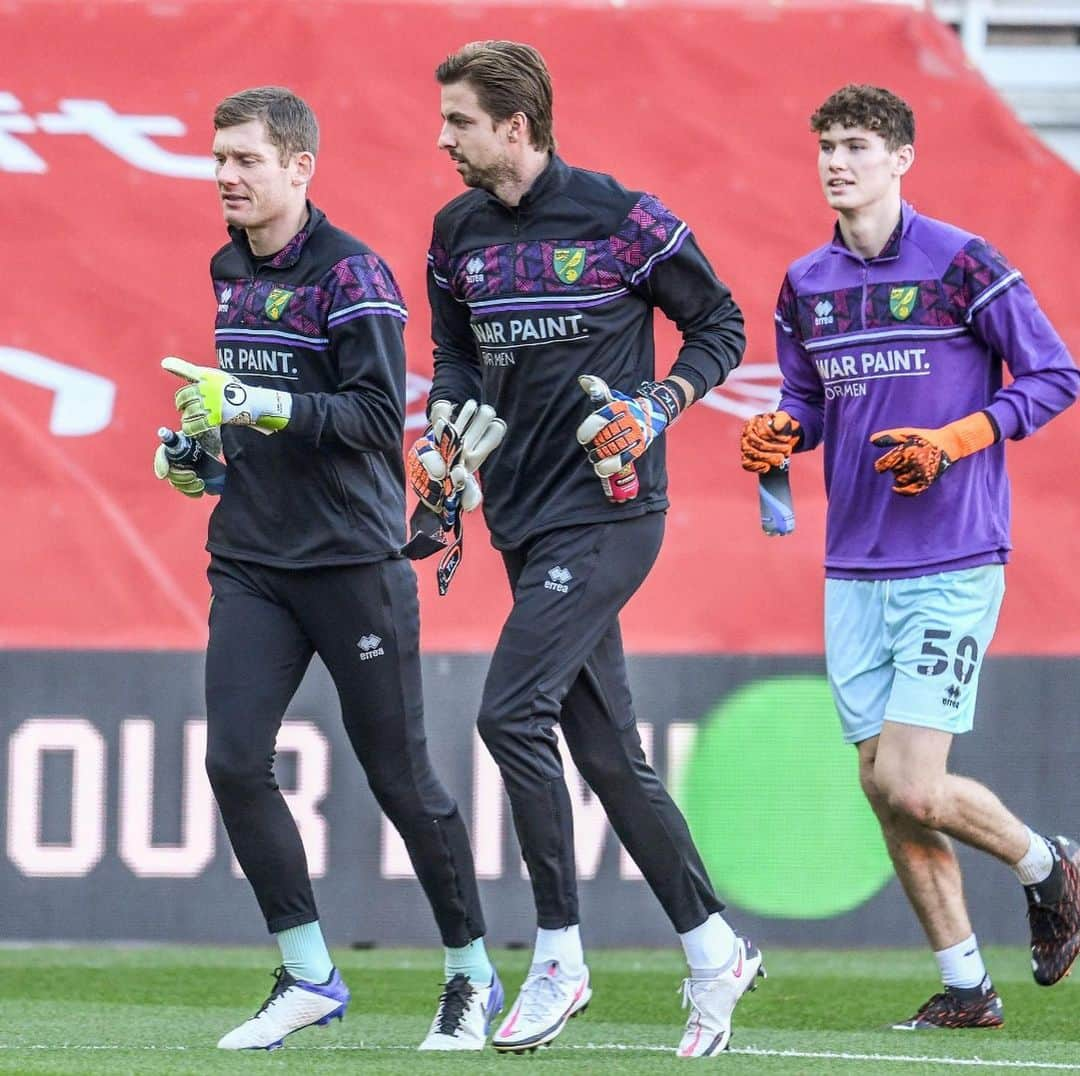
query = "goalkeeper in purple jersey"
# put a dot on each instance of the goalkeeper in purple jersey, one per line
(891, 340)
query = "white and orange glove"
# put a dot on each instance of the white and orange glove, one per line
(622, 429)
(443, 462)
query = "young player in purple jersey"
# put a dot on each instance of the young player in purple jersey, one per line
(891, 340)
(542, 275)
(305, 547)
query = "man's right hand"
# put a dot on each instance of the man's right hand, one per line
(442, 463)
(768, 440)
(180, 478)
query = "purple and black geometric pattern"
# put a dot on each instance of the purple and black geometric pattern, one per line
(649, 233)
(356, 287)
(977, 271)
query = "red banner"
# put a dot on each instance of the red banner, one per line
(110, 215)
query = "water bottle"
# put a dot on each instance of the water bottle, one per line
(186, 452)
(774, 500)
(623, 485)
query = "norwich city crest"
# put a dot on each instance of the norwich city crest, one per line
(902, 301)
(569, 263)
(276, 302)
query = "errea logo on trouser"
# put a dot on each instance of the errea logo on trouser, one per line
(370, 647)
(557, 579)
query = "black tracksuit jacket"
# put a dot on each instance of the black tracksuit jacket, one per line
(526, 298)
(323, 319)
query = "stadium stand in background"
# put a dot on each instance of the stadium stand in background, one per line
(1029, 51)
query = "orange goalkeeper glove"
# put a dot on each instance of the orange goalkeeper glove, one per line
(768, 440)
(919, 457)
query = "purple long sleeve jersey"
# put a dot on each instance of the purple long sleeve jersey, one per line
(916, 336)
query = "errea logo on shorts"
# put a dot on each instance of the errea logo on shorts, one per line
(370, 647)
(557, 579)
(474, 270)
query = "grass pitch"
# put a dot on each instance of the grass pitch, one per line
(161, 1010)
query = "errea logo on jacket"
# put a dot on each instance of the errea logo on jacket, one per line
(474, 270)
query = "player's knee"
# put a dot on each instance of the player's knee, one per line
(493, 730)
(231, 775)
(916, 800)
(602, 770)
(405, 799)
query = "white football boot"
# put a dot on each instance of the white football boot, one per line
(464, 1016)
(292, 1004)
(712, 1001)
(548, 998)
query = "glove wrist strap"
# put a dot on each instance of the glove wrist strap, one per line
(668, 395)
(272, 409)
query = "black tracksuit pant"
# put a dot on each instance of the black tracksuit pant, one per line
(560, 659)
(363, 621)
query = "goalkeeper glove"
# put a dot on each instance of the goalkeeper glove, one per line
(918, 457)
(215, 398)
(190, 464)
(768, 440)
(619, 432)
(180, 478)
(441, 464)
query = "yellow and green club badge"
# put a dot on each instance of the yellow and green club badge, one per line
(902, 301)
(276, 302)
(568, 263)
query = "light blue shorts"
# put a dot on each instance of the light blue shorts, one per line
(909, 650)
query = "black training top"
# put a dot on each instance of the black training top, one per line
(322, 320)
(526, 298)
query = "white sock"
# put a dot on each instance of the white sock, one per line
(1038, 861)
(563, 945)
(710, 946)
(961, 964)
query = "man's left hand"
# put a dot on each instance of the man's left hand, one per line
(442, 463)
(919, 457)
(215, 398)
(619, 432)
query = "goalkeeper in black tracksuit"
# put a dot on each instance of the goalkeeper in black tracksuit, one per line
(538, 275)
(305, 547)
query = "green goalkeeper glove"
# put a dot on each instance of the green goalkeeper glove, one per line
(215, 398)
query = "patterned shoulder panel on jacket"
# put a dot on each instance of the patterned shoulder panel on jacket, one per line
(976, 275)
(917, 308)
(364, 286)
(274, 314)
(584, 271)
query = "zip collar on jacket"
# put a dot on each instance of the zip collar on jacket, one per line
(289, 254)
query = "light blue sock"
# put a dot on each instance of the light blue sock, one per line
(304, 953)
(471, 960)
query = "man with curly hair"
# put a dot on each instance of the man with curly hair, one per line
(892, 339)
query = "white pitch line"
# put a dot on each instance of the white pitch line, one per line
(611, 1047)
(906, 1059)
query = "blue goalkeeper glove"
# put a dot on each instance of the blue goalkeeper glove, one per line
(216, 398)
(619, 432)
